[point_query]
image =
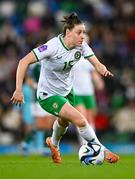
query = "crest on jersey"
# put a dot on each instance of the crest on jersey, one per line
(42, 48)
(77, 55)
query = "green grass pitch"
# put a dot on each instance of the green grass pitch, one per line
(37, 167)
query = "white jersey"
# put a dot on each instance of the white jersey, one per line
(56, 77)
(83, 84)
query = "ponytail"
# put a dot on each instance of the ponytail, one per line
(70, 21)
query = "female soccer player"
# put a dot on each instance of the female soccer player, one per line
(54, 91)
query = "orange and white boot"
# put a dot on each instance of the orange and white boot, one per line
(56, 157)
(111, 157)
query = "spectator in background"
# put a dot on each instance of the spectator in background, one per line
(90, 96)
(86, 80)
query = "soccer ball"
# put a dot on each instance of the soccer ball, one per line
(91, 154)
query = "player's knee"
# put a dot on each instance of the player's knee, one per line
(81, 122)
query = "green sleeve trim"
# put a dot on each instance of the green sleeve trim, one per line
(89, 56)
(35, 55)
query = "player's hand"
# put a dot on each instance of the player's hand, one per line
(104, 71)
(17, 98)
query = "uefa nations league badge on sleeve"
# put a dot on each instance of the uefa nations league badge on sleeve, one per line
(42, 48)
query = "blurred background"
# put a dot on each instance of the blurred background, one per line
(111, 29)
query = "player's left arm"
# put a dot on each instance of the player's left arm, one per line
(101, 68)
(97, 80)
(88, 53)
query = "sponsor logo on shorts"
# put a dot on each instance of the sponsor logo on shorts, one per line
(42, 48)
(55, 105)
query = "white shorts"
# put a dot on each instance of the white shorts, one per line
(38, 111)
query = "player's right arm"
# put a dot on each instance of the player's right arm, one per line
(40, 53)
(17, 97)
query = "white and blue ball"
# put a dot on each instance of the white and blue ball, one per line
(91, 154)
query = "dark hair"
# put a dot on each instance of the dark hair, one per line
(70, 21)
